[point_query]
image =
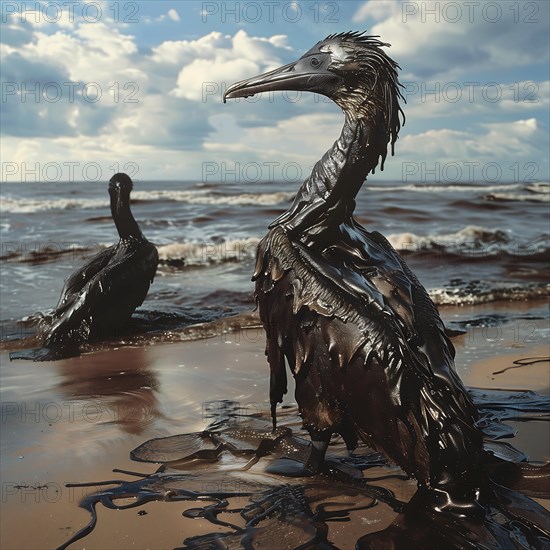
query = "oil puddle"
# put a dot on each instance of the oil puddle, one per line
(242, 476)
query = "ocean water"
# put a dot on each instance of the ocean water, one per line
(468, 243)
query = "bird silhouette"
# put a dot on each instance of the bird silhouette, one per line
(98, 299)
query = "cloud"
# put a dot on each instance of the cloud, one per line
(146, 102)
(377, 10)
(94, 159)
(482, 100)
(42, 100)
(173, 15)
(52, 16)
(217, 58)
(14, 36)
(504, 141)
(69, 83)
(443, 38)
(195, 79)
(95, 52)
(164, 122)
(218, 46)
(302, 138)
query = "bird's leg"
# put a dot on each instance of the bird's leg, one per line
(319, 445)
(314, 464)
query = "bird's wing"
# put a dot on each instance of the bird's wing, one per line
(370, 288)
(331, 286)
(129, 268)
(136, 269)
(82, 276)
(423, 320)
(72, 319)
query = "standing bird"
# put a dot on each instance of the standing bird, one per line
(99, 298)
(364, 341)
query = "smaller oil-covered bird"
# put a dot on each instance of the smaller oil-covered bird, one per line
(98, 299)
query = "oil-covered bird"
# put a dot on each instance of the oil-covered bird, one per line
(98, 299)
(342, 309)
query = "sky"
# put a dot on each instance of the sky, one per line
(92, 88)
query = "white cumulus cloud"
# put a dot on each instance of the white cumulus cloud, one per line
(173, 15)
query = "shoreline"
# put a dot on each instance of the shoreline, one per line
(77, 419)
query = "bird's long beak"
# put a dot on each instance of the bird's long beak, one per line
(289, 77)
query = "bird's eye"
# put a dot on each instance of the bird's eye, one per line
(315, 62)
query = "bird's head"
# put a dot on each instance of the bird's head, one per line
(120, 184)
(350, 68)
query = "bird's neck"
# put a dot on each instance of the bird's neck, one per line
(327, 197)
(125, 222)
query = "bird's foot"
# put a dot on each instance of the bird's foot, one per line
(316, 458)
(289, 468)
(315, 464)
(293, 468)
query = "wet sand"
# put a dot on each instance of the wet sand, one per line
(77, 419)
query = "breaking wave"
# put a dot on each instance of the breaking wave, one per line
(471, 241)
(520, 197)
(444, 188)
(532, 192)
(213, 198)
(483, 292)
(29, 206)
(208, 253)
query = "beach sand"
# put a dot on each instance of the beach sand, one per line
(77, 419)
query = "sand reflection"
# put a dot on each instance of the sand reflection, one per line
(118, 386)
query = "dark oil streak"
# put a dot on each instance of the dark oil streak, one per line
(523, 362)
